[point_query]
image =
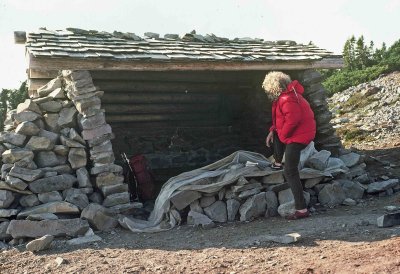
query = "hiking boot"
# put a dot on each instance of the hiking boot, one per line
(298, 215)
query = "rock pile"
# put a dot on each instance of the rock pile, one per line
(49, 143)
(328, 181)
(370, 109)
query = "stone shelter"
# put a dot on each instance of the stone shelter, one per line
(182, 101)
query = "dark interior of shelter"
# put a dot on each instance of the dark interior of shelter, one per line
(184, 120)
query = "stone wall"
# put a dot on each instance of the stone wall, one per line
(58, 159)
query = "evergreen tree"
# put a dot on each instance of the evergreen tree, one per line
(349, 54)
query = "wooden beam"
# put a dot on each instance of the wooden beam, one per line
(107, 64)
(159, 109)
(158, 98)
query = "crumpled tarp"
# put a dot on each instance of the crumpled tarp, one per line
(210, 179)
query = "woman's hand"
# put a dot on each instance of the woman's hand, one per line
(269, 140)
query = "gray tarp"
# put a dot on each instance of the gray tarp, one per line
(209, 179)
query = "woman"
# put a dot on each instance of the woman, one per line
(293, 128)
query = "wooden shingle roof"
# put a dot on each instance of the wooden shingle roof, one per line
(73, 48)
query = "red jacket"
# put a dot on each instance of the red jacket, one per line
(292, 116)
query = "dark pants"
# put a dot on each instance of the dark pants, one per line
(291, 168)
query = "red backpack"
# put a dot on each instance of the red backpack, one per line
(144, 177)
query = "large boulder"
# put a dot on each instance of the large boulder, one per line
(25, 173)
(46, 159)
(332, 194)
(13, 138)
(6, 198)
(217, 212)
(27, 128)
(253, 207)
(99, 217)
(13, 155)
(41, 243)
(77, 157)
(59, 182)
(36, 143)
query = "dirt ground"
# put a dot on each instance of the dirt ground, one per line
(334, 240)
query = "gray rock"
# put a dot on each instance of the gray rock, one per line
(34, 229)
(67, 117)
(77, 158)
(28, 105)
(6, 198)
(12, 138)
(59, 182)
(49, 87)
(217, 212)
(195, 206)
(94, 121)
(27, 128)
(73, 135)
(331, 195)
(46, 159)
(232, 207)
(41, 243)
(99, 217)
(389, 220)
(350, 159)
(50, 106)
(319, 160)
(83, 177)
(253, 207)
(52, 196)
(116, 199)
(70, 143)
(61, 150)
(5, 169)
(26, 174)
(351, 189)
(62, 169)
(3, 231)
(51, 121)
(363, 179)
(107, 178)
(36, 143)
(248, 186)
(287, 209)
(26, 116)
(102, 158)
(58, 93)
(285, 239)
(6, 213)
(79, 199)
(26, 163)
(53, 207)
(16, 183)
(198, 219)
(310, 183)
(54, 137)
(247, 193)
(87, 103)
(274, 178)
(103, 147)
(382, 185)
(29, 200)
(221, 194)
(84, 240)
(42, 216)
(89, 134)
(349, 202)
(356, 171)
(112, 189)
(96, 198)
(206, 201)
(105, 168)
(100, 139)
(272, 204)
(182, 199)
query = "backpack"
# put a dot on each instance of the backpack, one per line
(144, 177)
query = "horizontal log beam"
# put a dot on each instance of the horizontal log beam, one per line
(193, 118)
(107, 64)
(157, 109)
(158, 98)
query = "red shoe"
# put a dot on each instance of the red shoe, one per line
(298, 215)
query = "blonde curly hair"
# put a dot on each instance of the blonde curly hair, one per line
(274, 83)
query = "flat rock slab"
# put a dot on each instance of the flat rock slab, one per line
(60, 182)
(25, 173)
(34, 229)
(382, 186)
(285, 239)
(42, 243)
(389, 220)
(99, 217)
(84, 240)
(53, 207)
(184, 198)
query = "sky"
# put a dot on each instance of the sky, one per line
(328, 24)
